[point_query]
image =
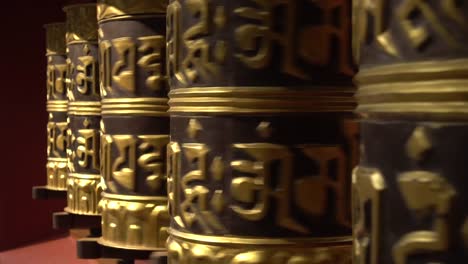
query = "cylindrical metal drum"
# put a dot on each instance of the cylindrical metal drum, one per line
(56, 107)
(410, 205)
(84, 110)
(135, 123)
(262, 132)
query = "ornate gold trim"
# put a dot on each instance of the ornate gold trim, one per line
(142, 100)
(88, 108)
(92, 42)
(57, 174)
(182, 251)
(248, 100)
(81, 23)
(435, 88)
(130, 17)
(414, 71)
(57, 106)
(83, 193)
(135, 106)
(421, 110)
(57, 159)
(134, 222)
(55, 39)
(84, 176)
(117, 8)
(134, 198)
(234, 240)
(57, 109)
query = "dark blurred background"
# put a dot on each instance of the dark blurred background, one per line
(23, 130)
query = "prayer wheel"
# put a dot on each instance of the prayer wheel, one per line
(263, 137)
(84, 110)
(409, 197)
(57, 106)
(135, 123)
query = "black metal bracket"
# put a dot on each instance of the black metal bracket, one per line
(65, 220)
(43, 193)
(89, 248)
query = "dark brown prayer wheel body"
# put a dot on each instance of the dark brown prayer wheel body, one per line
(135, 123)
(263, 138)
(409, 196)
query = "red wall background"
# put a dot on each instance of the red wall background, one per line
(23, 127)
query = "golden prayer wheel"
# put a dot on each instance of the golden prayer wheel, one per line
(84, 110)
(409, 197)
(57, 105)
(135, 123)
(263, 137)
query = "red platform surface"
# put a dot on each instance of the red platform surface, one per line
(58, 251)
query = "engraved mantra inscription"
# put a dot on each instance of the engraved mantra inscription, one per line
(195, 206)
(145, 53)
(136, 154)
(197, 62)
(57, 139)
(86, 152)
(417, 34)
(422, 191)
(69, 82)
(85, 73)
(256, 39)
(294, 39)
(56, 77)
